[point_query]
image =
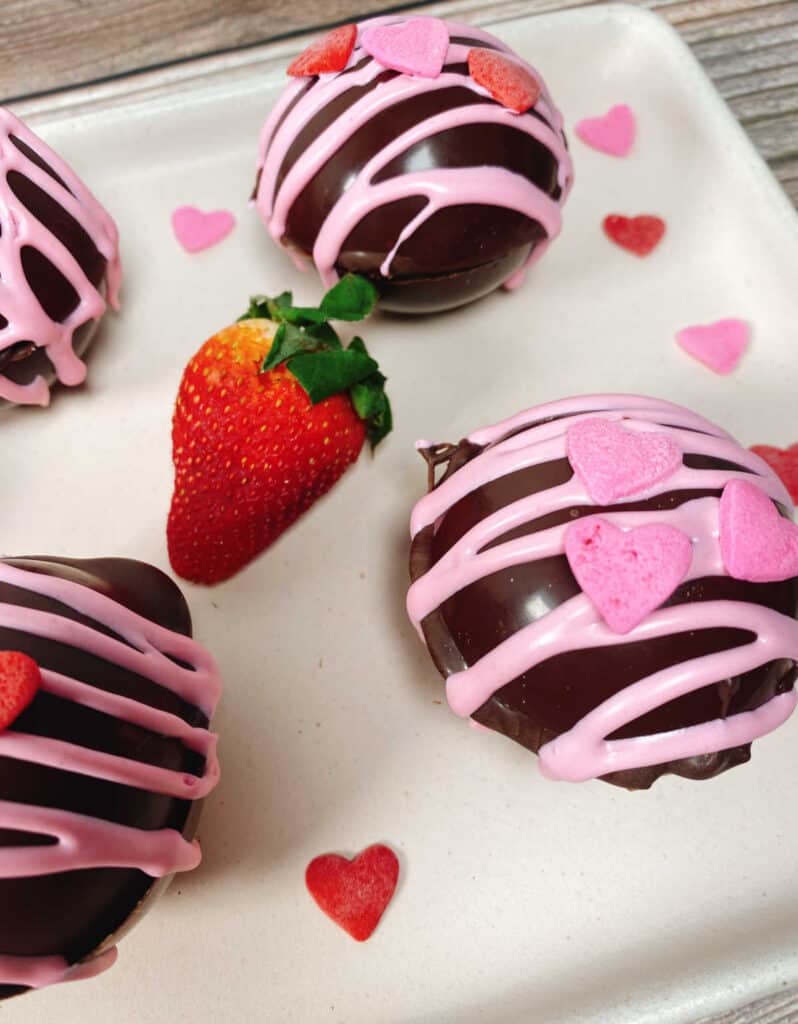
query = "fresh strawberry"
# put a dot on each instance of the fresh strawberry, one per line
(20, 680)
(784, 462)
(269, 414)
(508, 82)
(330, 53)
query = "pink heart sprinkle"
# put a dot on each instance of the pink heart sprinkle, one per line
(415, 47)
(613, 462)
(196, 230)
(757, 544)
(627, 574)
(718, 346)
(614, 133)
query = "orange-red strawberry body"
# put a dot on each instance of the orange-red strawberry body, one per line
(251, 453)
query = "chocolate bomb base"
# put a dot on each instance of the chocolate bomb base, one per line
(76, 914)
(462, 252)
(553, 696)
(24, 361)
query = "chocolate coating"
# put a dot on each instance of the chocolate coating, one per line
(23, 361)
(462, 251)
(74, 913)
(554, 695)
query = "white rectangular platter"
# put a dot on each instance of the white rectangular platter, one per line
(521, 901)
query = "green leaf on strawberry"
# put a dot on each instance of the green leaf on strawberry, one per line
(353, 298)
(311, 350)
(322, 374)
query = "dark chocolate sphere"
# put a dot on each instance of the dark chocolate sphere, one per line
(74, 914)
(69, 262)
(551, 697)
(352, 164)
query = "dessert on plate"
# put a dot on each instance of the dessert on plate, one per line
(105, 756)
(612, 582)
(270, 413)
(423, 154)
(59, 265)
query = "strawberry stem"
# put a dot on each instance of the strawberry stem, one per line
(311, 349)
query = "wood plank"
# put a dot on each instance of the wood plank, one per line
(50, 44)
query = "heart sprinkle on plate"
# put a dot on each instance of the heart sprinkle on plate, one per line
(640, 235)
(719, 346)
(196, 230)
(354, 893)
(783, 462)
(613, 133)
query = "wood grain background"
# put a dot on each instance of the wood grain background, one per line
(749, 47)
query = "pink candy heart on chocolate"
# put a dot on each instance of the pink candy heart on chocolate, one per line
(627, 574)
(613, 462)
(757, 544)
(415, 47)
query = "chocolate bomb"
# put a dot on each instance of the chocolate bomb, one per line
(59, 259)
(137, 774)
(555, 694)
(431, 188)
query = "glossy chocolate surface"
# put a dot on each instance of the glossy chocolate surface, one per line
(461, 252)
(72, 913)
(553, 696)
(58, 298)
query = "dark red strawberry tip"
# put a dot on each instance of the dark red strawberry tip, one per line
(783, 462)
(507, 82)
(640, 235)
(354, 893)
(20, 680)
(328, 54)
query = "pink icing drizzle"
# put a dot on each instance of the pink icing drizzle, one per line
(583, 752)
(441, 187)
(85, 842)
(27, 321)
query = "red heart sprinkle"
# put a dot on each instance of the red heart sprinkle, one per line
(20, 680)
(330, 53)
(509, 83)
(639, 235)
(354, 893)
(784, 462)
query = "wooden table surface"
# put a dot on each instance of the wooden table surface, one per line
(748, 47)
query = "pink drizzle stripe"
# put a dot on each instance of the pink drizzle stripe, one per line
(152, 642)
(70, 757)
(27, 321)
(583, 752)
(85, 842)
(41, 971)
(441, 188)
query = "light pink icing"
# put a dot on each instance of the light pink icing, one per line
(41, 971)
(27, 321)
(85, 842)
(583, 752)
(441, 187)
